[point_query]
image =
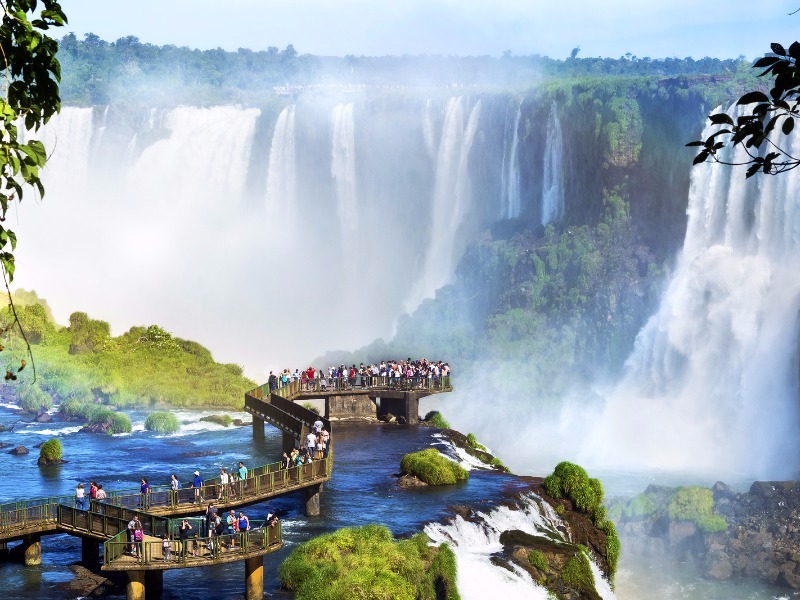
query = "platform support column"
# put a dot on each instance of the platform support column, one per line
(90, 552)
(312, 500)
(254, 578)
(135, 589)
(288, 441)
(32, 548)
(258, 429)
(154, 584)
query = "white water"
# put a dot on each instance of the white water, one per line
(451, 200)
(343, 171)
(474, 543)
(553, 176)
(510, 170)
(282, 170)
(712, 383)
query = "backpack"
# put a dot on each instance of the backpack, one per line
(138, 536)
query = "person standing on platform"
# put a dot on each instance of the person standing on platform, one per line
(197, 484)
(242, 474)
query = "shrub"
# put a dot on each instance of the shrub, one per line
(32, 399)
(432, 467)
(120, 423)
(538, 560)
(162, 422)
(51, 451)
(223, 420)
(366, 562)
(696, 504)
(712, 524)
(571, 481)
(311, 407)
(613, 546)
(640, 506)
(578, 574)
(436, 419)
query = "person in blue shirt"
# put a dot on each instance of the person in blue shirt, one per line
(197, 484)
(144, 491)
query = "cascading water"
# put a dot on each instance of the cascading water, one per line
(281, 172)
(451, 200)
(553, 176)
(343, 171)
(475, 541)
(712, 384)
(510, 170)
(428, 129)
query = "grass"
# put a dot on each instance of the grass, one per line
(367, 563)
(432, 467)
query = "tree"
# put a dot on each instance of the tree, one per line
(757, 132)
(30, 98)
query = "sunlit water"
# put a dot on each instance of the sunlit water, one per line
(361, 491)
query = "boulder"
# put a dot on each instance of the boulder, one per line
(44, 418)
(19, 451)
(410, 481)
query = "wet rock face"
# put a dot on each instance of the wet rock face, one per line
(762, 539)
(19, 451)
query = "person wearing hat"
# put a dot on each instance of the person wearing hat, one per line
(197, 484)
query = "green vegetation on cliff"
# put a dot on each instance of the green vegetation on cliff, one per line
(571, 481)
(432, 467)
(696, 504)
(436, 419)
(83, 364)
(366, 562)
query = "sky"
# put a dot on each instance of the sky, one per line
(608, 28)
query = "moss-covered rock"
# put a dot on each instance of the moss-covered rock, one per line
(432, 467)
(435, 419)
(223, 420)
(51, 452)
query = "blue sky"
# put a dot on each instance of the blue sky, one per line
(678, 28)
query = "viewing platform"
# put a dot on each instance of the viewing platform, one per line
(358, 398)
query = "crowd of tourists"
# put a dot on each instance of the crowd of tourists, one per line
(421, 372)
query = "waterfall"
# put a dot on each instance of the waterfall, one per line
(67, 139)
(474, 542)
(712, 382)
(451, 201)
(553, 175)
(281, 172)
(509, 181)
(343, 171)
(428, 129)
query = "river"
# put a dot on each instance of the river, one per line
(361, 491)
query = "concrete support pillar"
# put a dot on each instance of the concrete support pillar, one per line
(32, 548)
(258, 429)
(312, 501)
(154, 584)
(135, 590)
(254, 578)
(288, 442)
(90, 552)
(412, 408)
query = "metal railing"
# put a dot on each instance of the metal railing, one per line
(197, 549)
(341, 384)
(261, 481)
